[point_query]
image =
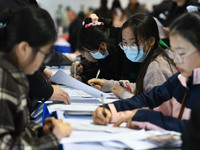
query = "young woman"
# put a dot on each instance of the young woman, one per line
(26, 38)
(100, 39)
(140, 42)
(181, 90)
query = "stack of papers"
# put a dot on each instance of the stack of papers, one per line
(60, 77)
(71, 108)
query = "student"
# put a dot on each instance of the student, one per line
(100, 39)
(86, 69)
(181, 90)
(140, 42)
(39, 88)
(27, 35)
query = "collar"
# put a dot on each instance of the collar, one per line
(196, 78)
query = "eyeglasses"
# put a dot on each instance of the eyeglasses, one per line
(174, 54)
(124, 46)
(47, 56)
(93, 51)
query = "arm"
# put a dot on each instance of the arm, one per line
(154, 78)
(152, 99)
(16, 132)
(39, 87)
(157, 73)
(150, 120)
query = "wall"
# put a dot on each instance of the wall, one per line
(51, 5)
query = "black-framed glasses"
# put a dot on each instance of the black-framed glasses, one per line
(46, 55)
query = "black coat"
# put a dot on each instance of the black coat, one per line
(191, 133)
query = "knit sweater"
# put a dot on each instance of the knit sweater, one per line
(157, 73)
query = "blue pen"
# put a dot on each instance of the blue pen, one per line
(74, 71)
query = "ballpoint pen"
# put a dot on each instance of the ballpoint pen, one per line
(74, 71)
(104, 110)
(98, 72)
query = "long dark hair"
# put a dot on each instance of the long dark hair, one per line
(144, 27)
(187, 26)
(31, 24)
(91, 37)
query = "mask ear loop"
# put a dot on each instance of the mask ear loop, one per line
(161, 42)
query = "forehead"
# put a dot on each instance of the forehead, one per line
(127, 32)
(178, 42)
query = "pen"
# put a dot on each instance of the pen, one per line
(98, 72)
(104, 110)
(74, 71)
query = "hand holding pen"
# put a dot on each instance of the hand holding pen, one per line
(102, 115)
(98, 83)
(98, 72)
(76, 69)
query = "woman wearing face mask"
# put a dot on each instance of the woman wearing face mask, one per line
(181, 90)
(100, 39)
(140, 43)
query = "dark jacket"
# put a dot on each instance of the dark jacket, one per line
(191, 133)
(176, 11)
(160, 116)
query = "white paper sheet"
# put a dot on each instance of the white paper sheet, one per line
(72, 107)
(86, 133)
(61, 77)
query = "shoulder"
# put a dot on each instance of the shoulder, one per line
(159, 63)
(160, 66)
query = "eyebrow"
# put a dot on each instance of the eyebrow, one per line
(179, 48)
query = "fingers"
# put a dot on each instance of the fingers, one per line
(117, 89)
(119, 122)
(127, 118)
(95, 81)
(48, 125)
(79, 68)
(66, 97)
(59, 94)
(98, 87)
(61, 129)
(92, 81)
(99, 118)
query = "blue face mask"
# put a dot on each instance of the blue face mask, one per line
(98, 55)
(133, 55)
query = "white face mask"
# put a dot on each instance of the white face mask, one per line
(98, 55)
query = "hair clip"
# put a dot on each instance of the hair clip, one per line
(94, 24)
(2, 25)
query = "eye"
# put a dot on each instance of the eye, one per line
(133, 44)
(181, 54)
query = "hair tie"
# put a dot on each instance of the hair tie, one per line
(94, 22)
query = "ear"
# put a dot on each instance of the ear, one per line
(23, 50)
(103, 45)
(152, 41)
